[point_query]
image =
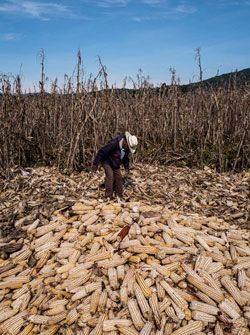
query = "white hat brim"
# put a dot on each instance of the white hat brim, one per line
(127, 135)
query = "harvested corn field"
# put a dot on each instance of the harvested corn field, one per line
(68, 267)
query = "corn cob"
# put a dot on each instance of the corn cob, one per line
(203, 297)
(15, 282)
(13, 328)
(200, 262)
(123, 295)
(57, 318)
(215, 267)
(127, 331)
(160, 330)
(7, 313)
(120, 273)
(234, 304)
(23, 256)
(203, 243)
(95, 247)
(64, 268)
(55, 303)
(180, 314)
(218, 257)
(112, 263)
(128, 276)
(141, 282)
(202, 307)
(99, 256)
(56, 310)
(180, 302)
(79, 270)
(143, 249)
(163, 270)
(71, 284)
(164, 304)
(22, 302)
(98, 328)
(135, 314)
(229, 309)
(168, 329)
(142, 302)
(135, 259)
(160, 290)
(12, 271)
(146, 330)
(170, 312)
(218, 330)
(39, 319)
(170, 251)
(42, 259)
(51, 331)
(74, 257)
(242, 265)
(191, 272)
(27, 330)
(85, 290)
(233, 290)
(233, 253)
(242, 278)
(110, 325)
(191, 328)
(186, 296)
(202, 316)
(103, 301)
(113, 280)
(216, 296)
(210, 280)
(69, 331)
(72, 316)
(85, 331)
(175, 277)
(94, 301)
(153, 302)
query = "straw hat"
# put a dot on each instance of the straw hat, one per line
(132, 141)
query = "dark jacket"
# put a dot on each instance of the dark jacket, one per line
(111, 154)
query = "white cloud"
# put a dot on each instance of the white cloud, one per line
(34, 9)
(153, 2)
(109, 3)
(8, 36)
(185, 9)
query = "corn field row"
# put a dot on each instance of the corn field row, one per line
(65, 126)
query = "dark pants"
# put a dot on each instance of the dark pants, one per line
(113, 181)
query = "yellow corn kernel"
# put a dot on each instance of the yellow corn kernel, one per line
(141, 282)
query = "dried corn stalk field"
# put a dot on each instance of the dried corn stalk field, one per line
(183, 268)
(66, 126)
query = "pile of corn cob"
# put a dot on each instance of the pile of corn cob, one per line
(172, 274)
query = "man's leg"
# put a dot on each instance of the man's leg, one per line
(118, 187)
(109, 180)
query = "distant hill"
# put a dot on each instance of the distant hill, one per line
(228, 80)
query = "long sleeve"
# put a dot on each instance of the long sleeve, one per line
(104, 152)
(125, 161)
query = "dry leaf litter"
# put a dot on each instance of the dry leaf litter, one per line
(183, 268)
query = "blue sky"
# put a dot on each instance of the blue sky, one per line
(153, 35)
